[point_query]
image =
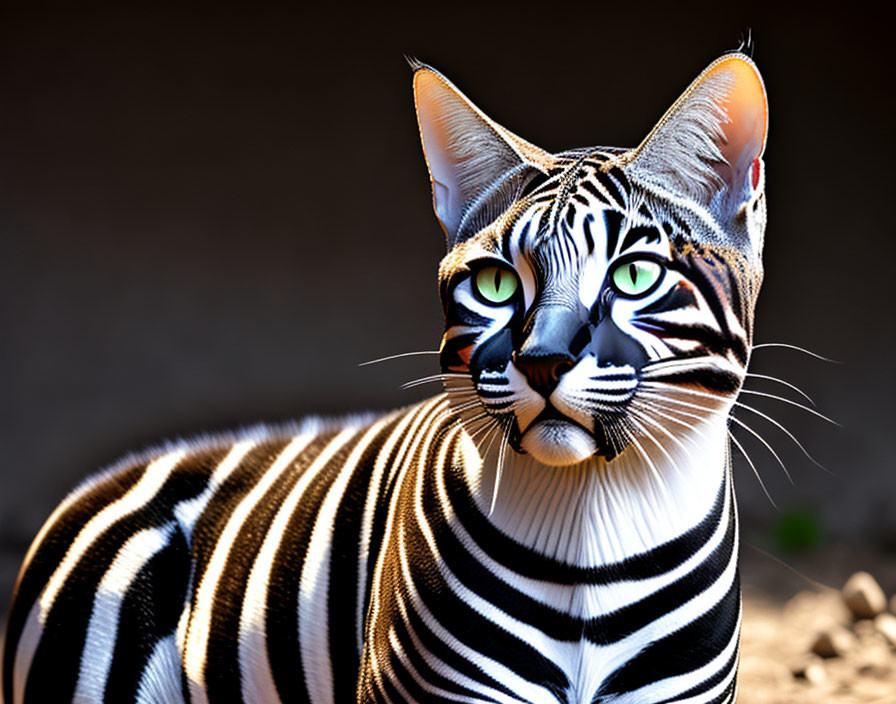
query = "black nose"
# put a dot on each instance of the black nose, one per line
(547, 351)
(544, 371)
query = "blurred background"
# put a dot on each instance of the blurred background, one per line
(210, 219)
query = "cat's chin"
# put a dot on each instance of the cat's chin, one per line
(558, 443)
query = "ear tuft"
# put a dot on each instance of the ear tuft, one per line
(414, 63)
(465, 150)
(708, 141)
(747, 45)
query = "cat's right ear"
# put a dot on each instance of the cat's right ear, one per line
(465, 150)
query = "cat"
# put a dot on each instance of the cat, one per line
(557, 526)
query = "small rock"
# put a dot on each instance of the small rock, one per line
(833, 643)
(864, 631)
(811, 670)
(876, 671)
(885, 624)
(863, 596)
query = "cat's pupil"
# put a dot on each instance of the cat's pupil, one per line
(633, 272)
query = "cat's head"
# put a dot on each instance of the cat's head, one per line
(599, 298)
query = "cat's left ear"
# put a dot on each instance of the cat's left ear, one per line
(466, 151)
(710, 142)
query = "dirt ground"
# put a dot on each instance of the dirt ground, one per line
(785, 607)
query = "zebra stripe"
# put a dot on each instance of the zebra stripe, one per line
(102, 630)
(199, 625)
(257, 615)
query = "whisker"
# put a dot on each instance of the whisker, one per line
(763, 441)
(488, 427)
(786, 383)
(458, 395)
(784, 430)
(744, 425)
(655, 406)
(460, 408)
(619, 434)
(660, 481)
(741, 404)
(396, 356)
(798, 349)
(644, 454)
(477, 425)
(684, 390)
(666, 397)
(493, 433)
(645, 416)
(792, 403)
(753, 466)
(650, 437)
(463, 421)
(659, 401)
(703, 394)
(771, 420)
(820, 586)
(459, 386)
(502, 452)
(660, 367)
(431, 378)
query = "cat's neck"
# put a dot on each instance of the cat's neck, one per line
(597, 512)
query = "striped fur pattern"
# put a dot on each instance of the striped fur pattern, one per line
(626, 352)
(558, 526)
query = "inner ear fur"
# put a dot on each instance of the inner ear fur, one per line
(467, 152)
(709, 139)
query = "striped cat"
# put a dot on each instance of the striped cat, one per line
(557, 526)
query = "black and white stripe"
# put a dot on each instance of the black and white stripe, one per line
(244, 570)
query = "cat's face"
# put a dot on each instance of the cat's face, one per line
(592, 301)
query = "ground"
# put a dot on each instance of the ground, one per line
(787, 605)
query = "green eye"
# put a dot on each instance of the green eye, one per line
(636, 277)
(495, 284)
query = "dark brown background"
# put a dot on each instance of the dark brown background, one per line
(210, 218)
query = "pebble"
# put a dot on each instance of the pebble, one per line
(885, 624)
(863, 596)
(811, 670)
(833, 643)
(877, 671)
(864, 631)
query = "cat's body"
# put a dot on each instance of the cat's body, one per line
(559, 526)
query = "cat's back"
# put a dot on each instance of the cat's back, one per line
(203, 551)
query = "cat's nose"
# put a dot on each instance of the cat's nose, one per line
(546, 353)
(544, 371)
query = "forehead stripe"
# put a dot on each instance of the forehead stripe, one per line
(586, 229)
(636, 234)
(613, 222)
(602, 196)
(611, 185)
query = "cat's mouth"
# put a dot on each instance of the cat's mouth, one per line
(557, 440)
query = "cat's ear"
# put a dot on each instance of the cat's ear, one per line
(711, 140)
(465, 150)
